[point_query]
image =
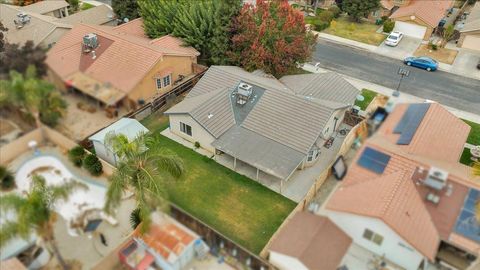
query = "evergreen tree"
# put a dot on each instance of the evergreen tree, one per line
(125, 9)
(357, 9)
(18, 58)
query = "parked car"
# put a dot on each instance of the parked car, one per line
(422, 62)
(394, 38)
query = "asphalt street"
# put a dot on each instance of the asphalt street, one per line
(449, 89)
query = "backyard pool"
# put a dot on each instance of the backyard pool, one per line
(55, 173)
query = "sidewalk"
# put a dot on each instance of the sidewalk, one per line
(375, 49)
(403, 98)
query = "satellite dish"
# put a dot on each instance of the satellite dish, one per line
(360, 98)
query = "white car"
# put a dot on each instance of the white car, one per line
(394, 38)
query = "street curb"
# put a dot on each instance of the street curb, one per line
(352, 45)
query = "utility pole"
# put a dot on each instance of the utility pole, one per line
(403, 73)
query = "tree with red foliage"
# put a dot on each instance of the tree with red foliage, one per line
(271, 36)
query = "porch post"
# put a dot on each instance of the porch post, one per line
(257, 173)
(234, 163)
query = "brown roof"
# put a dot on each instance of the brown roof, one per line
(431, 12)
(388, 4)
(441, 135)
(314, 240)
(43, 7)
(122, 60)
(133, 28)
(98, 15)
(394, 196)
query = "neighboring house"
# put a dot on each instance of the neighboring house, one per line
(406, 196)
(386, 9)
(119, 65)
(166, 245)
(470, 33)
(275, 126)
(309, 241)
(419, 18)
(52, 8)
(129, 127)
(25, 24)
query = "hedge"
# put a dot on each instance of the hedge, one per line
(388, 26)
(76, 155)
(93, 165)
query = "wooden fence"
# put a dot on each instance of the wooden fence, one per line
(312, 192)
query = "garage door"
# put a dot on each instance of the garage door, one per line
(471, 42)
(410, 29)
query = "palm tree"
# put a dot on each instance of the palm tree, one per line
(34, 213)
(143, 167)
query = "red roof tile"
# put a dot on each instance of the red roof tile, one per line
(431, 12)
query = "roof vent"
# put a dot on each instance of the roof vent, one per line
(244, 92)
(433, 198)
(90, 42)
(22, 19)
(436, 178)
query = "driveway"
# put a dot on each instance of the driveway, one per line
(406, 47)
(466, 63)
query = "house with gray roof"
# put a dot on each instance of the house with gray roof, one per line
(470, 33)
(275, 126)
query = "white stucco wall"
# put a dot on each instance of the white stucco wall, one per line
(284, 262)
(199, 133)
(330, 126)
(104, 153)
(393, 246)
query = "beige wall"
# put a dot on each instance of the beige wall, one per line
(56, 80)
(474, 34)
(147, 88)
(19, 146)
(418, 21)
(199, 134)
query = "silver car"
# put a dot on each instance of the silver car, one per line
(394, 38)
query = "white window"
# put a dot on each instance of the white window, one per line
(312, 154)
(186, 129)
(166, 81)
(159, 83)
(373, 237)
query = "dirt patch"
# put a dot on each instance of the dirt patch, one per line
(443, 55)
(5, 127)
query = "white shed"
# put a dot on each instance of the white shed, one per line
(131, 128)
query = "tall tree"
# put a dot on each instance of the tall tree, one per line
(34, 213)
(18, 58)
(143, 168)
(125, 9)
(205, 24)
(358, 9)
(271, 37)
(32, 95)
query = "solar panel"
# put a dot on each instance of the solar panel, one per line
(467, 224)
(410, 122)
(373, 160)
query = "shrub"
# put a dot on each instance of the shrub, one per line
(326, 16)
(76, 155)
(335, 11)
(93, 165)
(321, 25)
(196, 145)
(432, 46)
(351, 27)
(7, 179)
(384, 18)
(388, 26)
(135, 218)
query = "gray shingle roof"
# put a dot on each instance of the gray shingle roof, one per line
(45, 6)
(288, 119)
(328, 86)
(97, 15)
(261, 152)
(228, 76)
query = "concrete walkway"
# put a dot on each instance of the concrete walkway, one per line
(375, 49)
(403, 98)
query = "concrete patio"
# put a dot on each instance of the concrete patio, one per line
(299, 183)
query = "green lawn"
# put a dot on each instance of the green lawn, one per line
(235, 205)
(369, 95)
(474, 136)
(466, 157)
(363, 32)
(86, 6)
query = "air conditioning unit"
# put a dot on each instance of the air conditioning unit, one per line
(436, 178)
(244, 91)
(22, 19)
(90, 42)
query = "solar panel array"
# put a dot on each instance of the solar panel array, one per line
(410, 122)
(373, 160)
(467, 223)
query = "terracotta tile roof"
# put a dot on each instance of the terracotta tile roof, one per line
(441, 135)
(168, 240)
(395, 197)
(133, 28)
(388, 4)
(431, 12)
(122, 60)
(315, 240)
(174, 44)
